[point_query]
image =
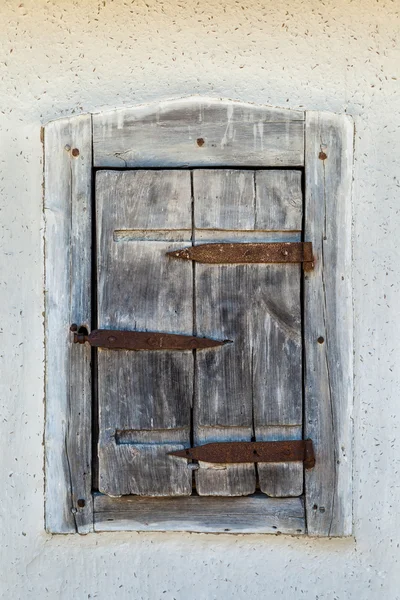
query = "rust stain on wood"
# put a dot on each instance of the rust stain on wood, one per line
(272, 252)
(252, 452)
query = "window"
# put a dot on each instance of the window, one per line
(122, 190)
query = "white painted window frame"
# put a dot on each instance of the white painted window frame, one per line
(196, 132)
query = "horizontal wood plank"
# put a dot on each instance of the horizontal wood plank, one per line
(253, 514)
(223, 199)
(198, 132)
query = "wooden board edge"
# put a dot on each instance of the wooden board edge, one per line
(257, 514)
(328, 323)
(130, 137)
(67, 214)
(146, 108)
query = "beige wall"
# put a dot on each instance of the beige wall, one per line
(62, 57)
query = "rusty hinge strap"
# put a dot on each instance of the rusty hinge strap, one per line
(271, 252)
(143, 340)
(247, 452)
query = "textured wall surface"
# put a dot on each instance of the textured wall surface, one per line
(60, 57)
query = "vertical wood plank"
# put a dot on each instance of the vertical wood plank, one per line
(279, 200)
(277, 371)
(223, 199)
(67, 205)
(279, 401)
(223, 396)
(144, 397)
(328, 323)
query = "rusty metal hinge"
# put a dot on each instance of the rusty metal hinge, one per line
(143, 340)
(271, 252)
(247, 452)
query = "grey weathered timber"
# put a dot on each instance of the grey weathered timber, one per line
(152, 235)
(67, 205)
(198, 132)
(277, 371)
(256, 382)
(279, 200)
(328, 323)
(280, 480)
(222, 403)
(224, 199)
(140, 288)
(253, 514)
(248, 236)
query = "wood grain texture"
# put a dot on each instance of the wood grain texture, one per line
(224, 199)
(328, 323)
(223, 397)
(140, 288)
(67, 204)
(279, 200)
(256, 382)
(198, 132)
(280, 480)
(253, 514)
(277, 372)
(245, 236)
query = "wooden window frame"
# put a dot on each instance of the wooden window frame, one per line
(190, 133)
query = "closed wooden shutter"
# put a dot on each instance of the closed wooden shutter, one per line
(207, 170)
(144, 397)
(154, 402)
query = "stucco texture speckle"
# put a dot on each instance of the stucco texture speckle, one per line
(62, 57)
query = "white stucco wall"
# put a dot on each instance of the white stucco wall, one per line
(60, 57)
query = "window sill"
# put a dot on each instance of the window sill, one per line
(249, 514)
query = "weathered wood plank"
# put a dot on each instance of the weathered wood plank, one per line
(256, 382)
(140, 288)
(198, 132)
(228, 236)
(253, 514)
(328, 323)
(277, 370)
(67, 202)
(224, 199)
(223, 397)
(279, 205)
(280, 480)
(152, 235)
(279, 200)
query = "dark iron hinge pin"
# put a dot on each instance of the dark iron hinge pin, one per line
(143, 340)
(272, 252)
(247, 452)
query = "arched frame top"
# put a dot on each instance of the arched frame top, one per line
(196, 132)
